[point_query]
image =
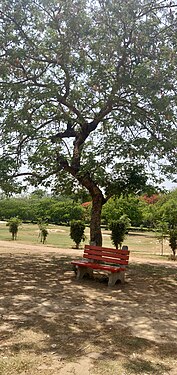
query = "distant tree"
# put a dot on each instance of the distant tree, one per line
(168, 211)
(38, 193)
(65, 211)
(116, 207)
(80, 196)
(14, 223)
(162, 231)
(150, 214)
(152, 199)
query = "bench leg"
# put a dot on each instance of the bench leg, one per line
(113, 277)
(81, 271)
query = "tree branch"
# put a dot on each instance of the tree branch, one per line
(34, 174)
(29, 136)
(68, 133)
(149, 9)
(72, 108)
(147, 116)
(84, 179)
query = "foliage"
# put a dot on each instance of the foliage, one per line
(61, 210)
(168, 211)
(38, 193)
(118, 230)
(116, 207)
(23, 208)
(87, 211)
(43, 231)
(162, 230)
(150, 199)
(64, 212)
(80, 196)
(14, 223)
(149, 214)
(77, 228)
(87, 85)
(173, 240)
(48, 209)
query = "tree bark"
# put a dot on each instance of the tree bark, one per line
(95, 224)
(84, 179)
(98, 201)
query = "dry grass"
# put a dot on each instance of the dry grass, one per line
(142, 243)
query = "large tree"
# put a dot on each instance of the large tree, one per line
(87, 88)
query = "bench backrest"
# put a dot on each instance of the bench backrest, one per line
(106, 255)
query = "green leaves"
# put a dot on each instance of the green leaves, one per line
(88, 87)
(14, 223)
(77, 228)
(119, 229)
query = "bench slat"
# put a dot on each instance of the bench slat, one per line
(104, 259)
(104, 253)
(107, 249)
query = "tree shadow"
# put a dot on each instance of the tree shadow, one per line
(44, 309)
(139, 366)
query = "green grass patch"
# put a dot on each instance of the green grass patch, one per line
(144, 244)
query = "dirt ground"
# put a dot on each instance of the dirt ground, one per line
(51, 324)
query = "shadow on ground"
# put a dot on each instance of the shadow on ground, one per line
(45, 311)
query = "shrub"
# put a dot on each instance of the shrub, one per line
(13, 224)
(77, 228)
(118, 230)
(173, 241)
(43, 231)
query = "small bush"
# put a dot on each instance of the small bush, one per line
(77, 228)
(43, 231)
(118, 230)
(173, 241)
(13, 224)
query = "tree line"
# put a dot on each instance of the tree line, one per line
(142, 211)
(34, 209)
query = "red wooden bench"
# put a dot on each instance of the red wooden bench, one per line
(112, 261)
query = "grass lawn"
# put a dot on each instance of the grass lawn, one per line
(142, 243)
(29, 233)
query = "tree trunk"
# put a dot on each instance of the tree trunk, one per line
(95, 225)
(98, 201)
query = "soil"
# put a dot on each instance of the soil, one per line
(51, 324)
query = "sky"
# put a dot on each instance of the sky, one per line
(169, 185)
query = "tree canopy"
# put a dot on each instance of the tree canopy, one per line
(87, 88)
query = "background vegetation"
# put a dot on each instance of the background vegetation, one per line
(151, 219)
(143, 211)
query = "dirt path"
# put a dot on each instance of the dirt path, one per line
(17, 247)
(20, 248)
(53, 325)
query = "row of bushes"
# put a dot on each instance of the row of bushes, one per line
(77, 227)
(142, 211)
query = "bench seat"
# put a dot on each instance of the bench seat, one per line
(98, 266)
